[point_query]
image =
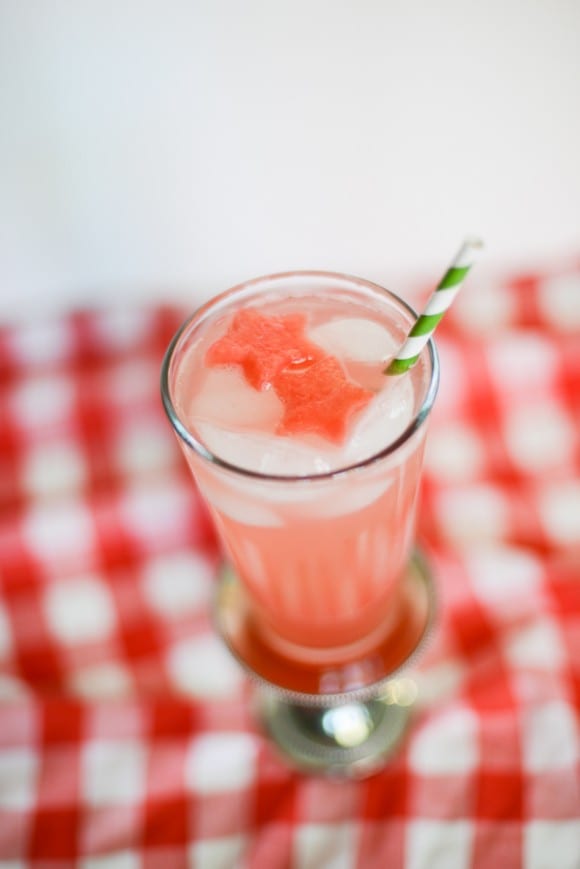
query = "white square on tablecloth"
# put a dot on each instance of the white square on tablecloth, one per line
(80, 610)
(178, 582)
(42, 342)
(485, 313)
(549, 736)
(43, 401)
(12, 687)
(439, 845)
(108, 679)
(52, 468)
(157, 514)
(474, 513)
(550, 844)
(122, 328)
(454, 452)
(132, 381)
(521, 361)
(117, 860)
(144, 445)
(560, 511)
(113, 772)
(333, 846)
(202, 667)
(501, 574)
(221, 762)
(18, 772)
(222, 853)
(446, 744)
(60, 532)
(539, 436)
(537, 645)
(455, 385)
(440, 681)
(559, 301)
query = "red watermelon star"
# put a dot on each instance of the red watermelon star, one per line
(263, 346)
(319, 400)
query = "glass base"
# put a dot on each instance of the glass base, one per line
(342, 719)
(350, 740)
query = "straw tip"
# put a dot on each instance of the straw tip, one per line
(475, 242)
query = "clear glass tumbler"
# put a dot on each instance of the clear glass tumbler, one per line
(321, 599)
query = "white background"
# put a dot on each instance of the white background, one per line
(173, 148)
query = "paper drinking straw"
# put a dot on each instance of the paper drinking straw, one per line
(439, 301)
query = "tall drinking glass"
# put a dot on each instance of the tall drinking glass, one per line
(322, 598)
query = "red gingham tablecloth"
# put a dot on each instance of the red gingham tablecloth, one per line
(126, 739)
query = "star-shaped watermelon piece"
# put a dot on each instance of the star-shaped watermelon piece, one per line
(319, 400)
(263, 346)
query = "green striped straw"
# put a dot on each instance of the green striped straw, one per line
(439, 301)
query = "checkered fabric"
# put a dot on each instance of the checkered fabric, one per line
(126, 738)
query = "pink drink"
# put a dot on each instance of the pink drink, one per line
(319, 533)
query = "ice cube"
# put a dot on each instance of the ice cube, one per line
(354, 338)
(246, 510)
(352, 498)
(267, 454)
(255, 502)
(226, 399)
(382, 421)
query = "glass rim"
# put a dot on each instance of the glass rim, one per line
(200, 449)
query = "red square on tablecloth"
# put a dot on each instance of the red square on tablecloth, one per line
(62, 723)
(167, 821)
(499, 795)
(387, 795)
(54, 833)
(171, 719)
(274, 799)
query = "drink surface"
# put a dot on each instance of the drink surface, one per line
(239, 422)
(319, 553)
